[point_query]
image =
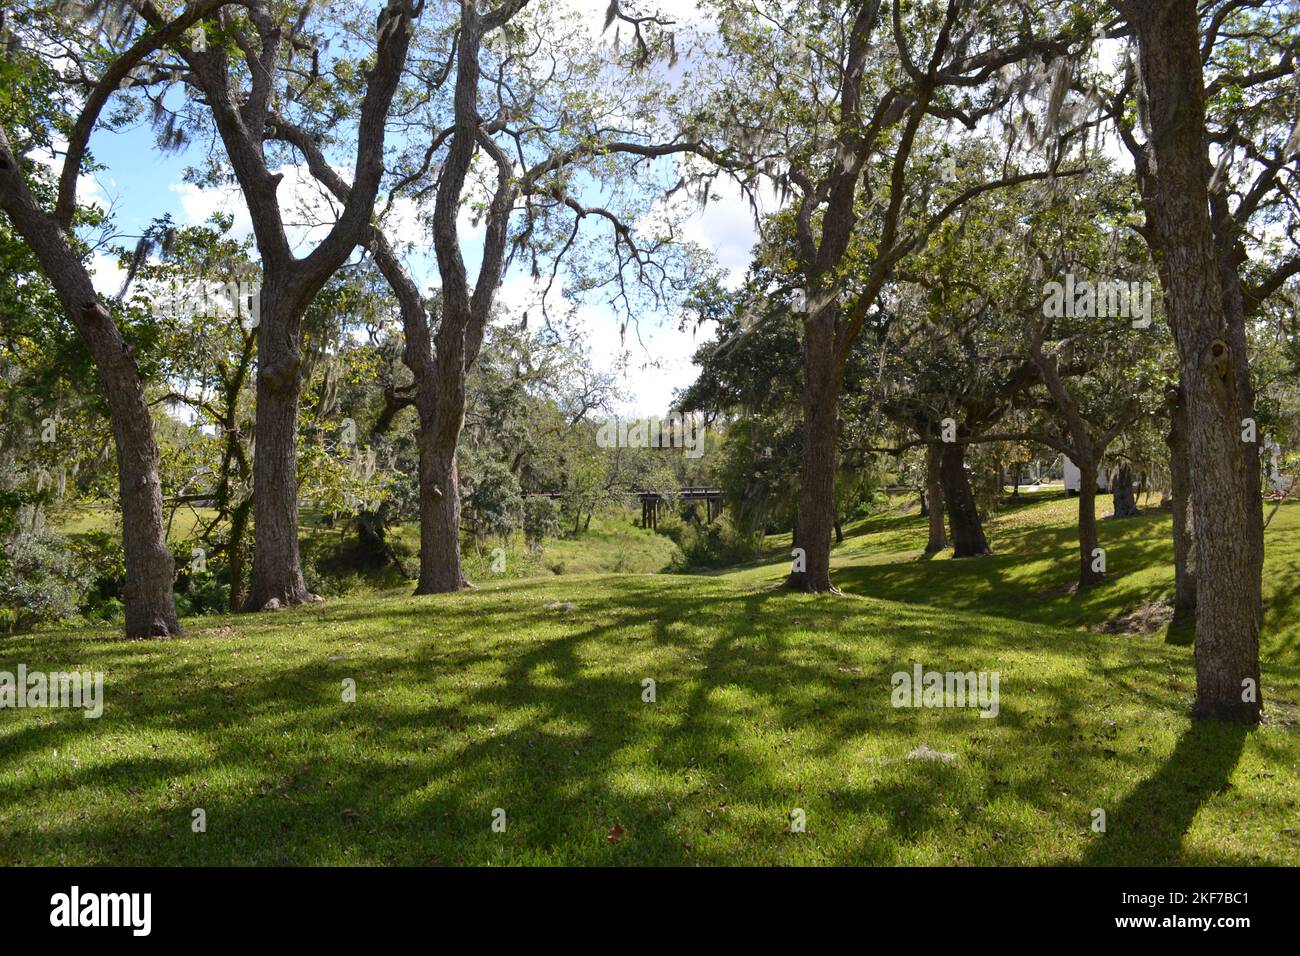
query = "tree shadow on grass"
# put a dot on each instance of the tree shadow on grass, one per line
(1148, 826)
(466, 705)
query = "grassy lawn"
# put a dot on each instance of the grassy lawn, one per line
(611, 544)
(90, 517)
(766, 703)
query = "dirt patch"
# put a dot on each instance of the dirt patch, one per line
(1144, 620)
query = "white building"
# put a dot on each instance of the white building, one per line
(1071, 475)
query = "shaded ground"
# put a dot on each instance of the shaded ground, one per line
(766, 703)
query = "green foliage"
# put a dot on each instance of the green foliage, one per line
(41, 581)
(491, 503)
(705, 546)
(541, 520)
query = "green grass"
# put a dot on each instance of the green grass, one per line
(766, 702)
(89, 517)
(610, 544)
(1035, 563)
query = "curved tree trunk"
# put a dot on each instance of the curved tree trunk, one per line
(968, 539)
(1088, 542)
(938, 540)
(150, 607)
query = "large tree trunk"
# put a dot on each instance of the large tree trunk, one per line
(934, 498)
(1121, 493)
(1231, 255)
(440, 570)
(277, 569)
(440, 399)
(1229, 562)
(817, 479)
(1180, 493)
(968, 539)
(150, 607)
(289, 283)
(1088, 542)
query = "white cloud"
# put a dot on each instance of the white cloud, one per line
(651, 360)
(726, 226)
(90, 190)
(106, 275)
(308, 210)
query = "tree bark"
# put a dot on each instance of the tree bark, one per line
(1088, 542)
(968, 539)
(1121, 492)
(149, 604)
(441, 420)
(817, 479)
(1180, 494)
(440, 569)
(1228, 608)
(934, 497)
(440, 399)
(277, 568)
(1231, 255)
(150, 607)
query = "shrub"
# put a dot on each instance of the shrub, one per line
(41, 581)
(541, 520)
(715, 545)
(491, 502)
(102, 562)
(672, 527)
